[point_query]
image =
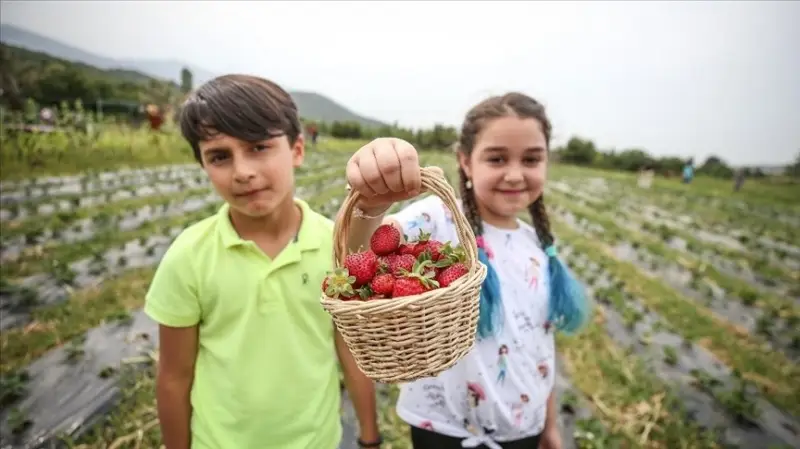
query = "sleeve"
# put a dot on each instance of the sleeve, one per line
(426, 214)
(172, 298)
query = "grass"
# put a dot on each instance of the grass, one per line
(775, 375)
(632, 406)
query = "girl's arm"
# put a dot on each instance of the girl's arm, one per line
(551, 422)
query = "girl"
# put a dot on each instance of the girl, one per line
(502, 155)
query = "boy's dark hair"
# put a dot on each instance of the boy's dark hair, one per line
(242, 106)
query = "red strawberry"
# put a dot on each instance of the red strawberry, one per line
(382, 284)
(408, 286)
(385, 263)
(432, 246)
(385, 240)
(401, 263)
(451, 273)
(419, 280)
(363, 265)
(407, 248)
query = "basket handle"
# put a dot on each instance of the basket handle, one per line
(433, 181)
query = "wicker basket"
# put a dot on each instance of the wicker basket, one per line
(407, 338)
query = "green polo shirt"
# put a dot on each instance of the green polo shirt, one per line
(266, 373)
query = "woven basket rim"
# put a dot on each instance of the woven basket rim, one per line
(433, 181)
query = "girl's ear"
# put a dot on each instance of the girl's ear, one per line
(463, 162)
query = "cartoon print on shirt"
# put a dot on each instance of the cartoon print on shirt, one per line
(543, 369)
(502, 364)
(525, 340)
(418, 222)
(518, 408)
(523, 321)
(533, 273)
(475, 394)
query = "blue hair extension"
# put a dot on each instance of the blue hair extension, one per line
(569, 303)
(490, 314)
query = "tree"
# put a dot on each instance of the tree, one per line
(578, 151)
(186, 80)
(715, 166)
(794, 169)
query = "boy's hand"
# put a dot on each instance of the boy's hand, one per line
(384, 171)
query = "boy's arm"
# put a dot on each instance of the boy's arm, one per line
(361, 390)
(178, 351)
(173, 303)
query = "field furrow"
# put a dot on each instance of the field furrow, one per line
(694, 342)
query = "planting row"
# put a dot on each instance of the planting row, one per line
(718, 399)
(87, 223)
(73, 197)
(52, 276)
(713, 221)
(92, 364)
(765, 267)
(748, 270)
(757, 312)
(774, 375)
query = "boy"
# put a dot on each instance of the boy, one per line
(246, 351)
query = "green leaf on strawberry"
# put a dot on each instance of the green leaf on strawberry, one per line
(339, 284)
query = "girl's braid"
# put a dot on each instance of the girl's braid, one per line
(541, 222)
(470, 205)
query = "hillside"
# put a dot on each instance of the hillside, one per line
(28, 74)
(313, 106)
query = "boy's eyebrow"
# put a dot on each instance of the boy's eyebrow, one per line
(218, 149)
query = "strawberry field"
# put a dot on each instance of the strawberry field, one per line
(694, 343)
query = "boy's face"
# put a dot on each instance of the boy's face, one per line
(254, 178)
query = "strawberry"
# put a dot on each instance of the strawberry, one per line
(385, 263)
(434, 247)
(419, 279)
(363, 265)
(451, 273)
(403, 262)
(408, 286)
(407, 248)
(385, 240)
(339, 284)
(382, 284)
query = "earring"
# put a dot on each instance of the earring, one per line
(468, 184)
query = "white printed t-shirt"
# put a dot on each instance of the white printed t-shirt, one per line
(499, 391)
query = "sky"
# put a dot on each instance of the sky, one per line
(673, 78)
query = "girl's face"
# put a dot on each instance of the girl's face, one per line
(508, 168)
